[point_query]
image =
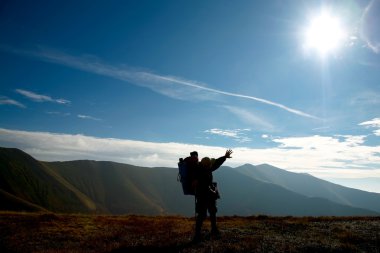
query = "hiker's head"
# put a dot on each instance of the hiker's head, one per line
(206, 162)
(194, 154)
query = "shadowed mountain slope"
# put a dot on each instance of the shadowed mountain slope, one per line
(10, 202)
(120, 188)
(310, 186)
(25, 178)
(242, 195)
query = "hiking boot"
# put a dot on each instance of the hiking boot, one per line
(215, 233)
(197, 238)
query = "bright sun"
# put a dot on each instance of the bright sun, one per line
(324, 33)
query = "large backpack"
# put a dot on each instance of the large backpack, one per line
(186, 174)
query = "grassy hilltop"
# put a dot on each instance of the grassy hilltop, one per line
(48, 232)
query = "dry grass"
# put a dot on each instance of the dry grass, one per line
(47, 232)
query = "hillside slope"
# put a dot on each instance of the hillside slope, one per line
(120, 188)
(12, 203)
(310, 186)
(243, 195)
(25, 178)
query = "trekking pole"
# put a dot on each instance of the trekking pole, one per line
(195, 207)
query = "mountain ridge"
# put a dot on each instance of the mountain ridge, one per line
(312, 186)
(114, 188)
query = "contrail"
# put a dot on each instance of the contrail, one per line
(187, 83)
(136, 77)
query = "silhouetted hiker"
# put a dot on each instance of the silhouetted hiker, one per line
(206, 193)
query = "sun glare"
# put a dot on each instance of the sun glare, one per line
(325, 34)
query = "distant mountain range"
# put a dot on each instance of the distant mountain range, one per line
(371, 184)
(113, 188)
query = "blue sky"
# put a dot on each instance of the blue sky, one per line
(154, 80)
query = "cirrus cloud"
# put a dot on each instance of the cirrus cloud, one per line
(369, 26)
(236, 134)
(81, 116)
(250, 118)
(41, 98)
(172, 86)
(9, 101)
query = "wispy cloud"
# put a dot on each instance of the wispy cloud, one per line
(41, 98)
(374, 123)
(171, 86)
(321, 129)
(371, 123)
(366, 98)
(250, 118)
(81, 116)
(236, 134)
(261, 100)
(58, 113)
(8, 101)
(368, 30)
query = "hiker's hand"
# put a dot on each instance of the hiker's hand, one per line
(228, 153)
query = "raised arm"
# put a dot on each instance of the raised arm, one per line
(218, 162)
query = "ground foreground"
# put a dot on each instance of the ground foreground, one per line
(47, 232)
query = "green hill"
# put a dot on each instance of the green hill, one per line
(120, 188)
(25, 178)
